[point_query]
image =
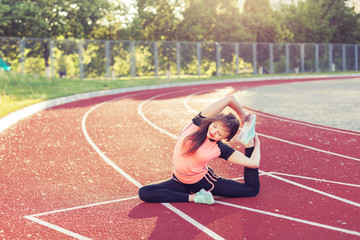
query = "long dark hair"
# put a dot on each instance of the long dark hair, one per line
(197, 138)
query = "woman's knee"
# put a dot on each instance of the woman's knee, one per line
(254, 192)
(144, 194)
(250, 191)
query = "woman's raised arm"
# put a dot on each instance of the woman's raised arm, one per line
(218, 106)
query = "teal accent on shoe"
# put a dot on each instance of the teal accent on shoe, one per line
(248, 131)
(204, 197)
(251, 133)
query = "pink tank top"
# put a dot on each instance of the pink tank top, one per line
(192, 168)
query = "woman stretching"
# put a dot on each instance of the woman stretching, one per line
(200, 142)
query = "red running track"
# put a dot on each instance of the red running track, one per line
(73, 171)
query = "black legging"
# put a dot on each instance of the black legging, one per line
(175, 191)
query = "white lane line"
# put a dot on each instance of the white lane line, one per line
(291, 218)
(96, 148)
(270, 116)
(135, 197)
(169, 206)
(83, 206)
(148, 121)
(305, 124)
(128, 177)
(308, 147)
(78, 236)
(33, 218)
(63, 230)
(315, 179)
(193, 222)
(297, 121)
(136, 183)
(292, 182)
(57, 228)
(66, 231)
(312, 189)
(287, 217)
(275, 138)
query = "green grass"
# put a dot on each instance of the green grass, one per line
(18, 91)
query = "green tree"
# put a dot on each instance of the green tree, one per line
(211, 20)
(343, 20)
(155, 20)
(25, 18)
(84, 17)
(262, 23)
(114, 23)
(52, 19)
(4, 18)
(228, 23)
(36, 18)
(198, 20)
(322, 21)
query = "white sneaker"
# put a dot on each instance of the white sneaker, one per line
(204, 197)
(248, 130)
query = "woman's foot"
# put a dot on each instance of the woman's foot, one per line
(248, 130)
(204, 197)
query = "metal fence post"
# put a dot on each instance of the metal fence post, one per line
(287, 58)
(330, 58)
(356, 57)
(178, 57)
(271, 54)
(218, 66)
(156, 59)
(254, 58)
(132, 59)
(320, 56)
(316, 57)
(198, 54)
(107, 58)
(52, 65)
(343, 57)
(22, 55)
(81, 58)
(302, 57)
(236, 58)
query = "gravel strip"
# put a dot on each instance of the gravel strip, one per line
(332, 103)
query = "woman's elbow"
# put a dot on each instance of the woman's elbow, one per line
(231, 98)
(254, 164)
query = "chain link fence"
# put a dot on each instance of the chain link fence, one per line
(117, 59)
